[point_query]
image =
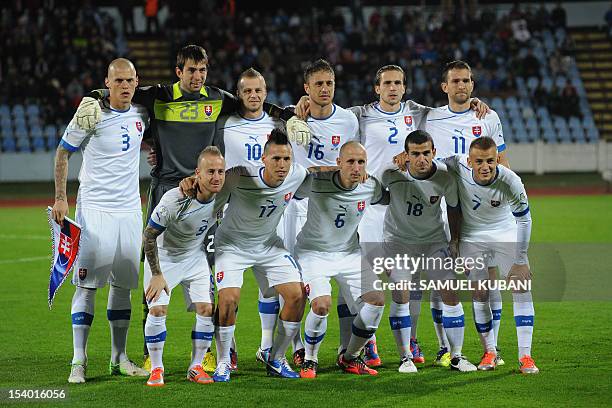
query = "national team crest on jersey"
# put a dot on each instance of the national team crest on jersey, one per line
(288, 197)
(495, 203)
(434, 199)
(476, 130)
(335, 141)
(220, 276)
(139, 125)
(82, 273)
(408, 120)
(208, 110)
(361, 206)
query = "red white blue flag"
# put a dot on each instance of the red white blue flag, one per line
(65, 242)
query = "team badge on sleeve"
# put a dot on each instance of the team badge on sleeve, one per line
(139, 125)
(335, 141)
(288, 197)
(408, 120)
(361, 206)
(220, 276)
(434, 199)
(476, 130)
(208, 110)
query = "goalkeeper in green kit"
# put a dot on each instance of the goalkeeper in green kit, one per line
(183, 124)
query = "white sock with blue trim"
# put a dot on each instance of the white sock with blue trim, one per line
(484, 326)
(495, 300)
(523, 317)
(314, 332)
(82, 313)
(364, 326)
(118, 312)
(201, 338)
(155, 337)
(399, 319)
(453, 320)
(268, 314)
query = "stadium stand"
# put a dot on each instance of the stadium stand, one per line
(527, 64)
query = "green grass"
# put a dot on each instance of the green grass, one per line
(571, 341)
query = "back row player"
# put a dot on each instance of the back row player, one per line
(183, 117)
(383, 127)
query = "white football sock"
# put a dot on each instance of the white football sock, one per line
(415, 311)
(484, 326)
(155, 337)
(495, 301)
(345, 321)
(454, 325)
(436, 304)
(201, 338)
(364, 325)
(399, 319)
(118, 312)
(225, 335)
(314, 332)
(523, 317)
(284, 335)
(268, 313)
(82, 311)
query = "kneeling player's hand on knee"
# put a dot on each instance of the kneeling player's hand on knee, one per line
(519, 272)
(88, 113)
(156, 286)
(298, 131)
(188, 186)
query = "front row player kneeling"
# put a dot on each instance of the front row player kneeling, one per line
(328, 247)
(173, 247)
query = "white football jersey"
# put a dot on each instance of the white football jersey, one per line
(184, 222)
(255, 208)
(383, 133)
(414, 214)
(489, 211)
(242, 140)
(109, 175)
(334, 212)
(453, 132)
(327, 135)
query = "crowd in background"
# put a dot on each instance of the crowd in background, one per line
(51, 51)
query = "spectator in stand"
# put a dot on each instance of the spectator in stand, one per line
(558, 16)
(150, 10)
(571, 102)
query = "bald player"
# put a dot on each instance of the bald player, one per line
(328, 247)
(109, 210)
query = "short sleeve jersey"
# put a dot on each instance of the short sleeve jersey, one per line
(109, 175)
(334, 212)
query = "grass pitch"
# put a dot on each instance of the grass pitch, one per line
(571, 339)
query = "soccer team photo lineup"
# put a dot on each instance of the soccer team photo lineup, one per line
(317, 183)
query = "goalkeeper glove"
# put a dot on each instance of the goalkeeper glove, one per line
(88, 113)
(298, 131)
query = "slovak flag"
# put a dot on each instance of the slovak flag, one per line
(65, 242)
(335, 141)
(361, 206)
(476, 130)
